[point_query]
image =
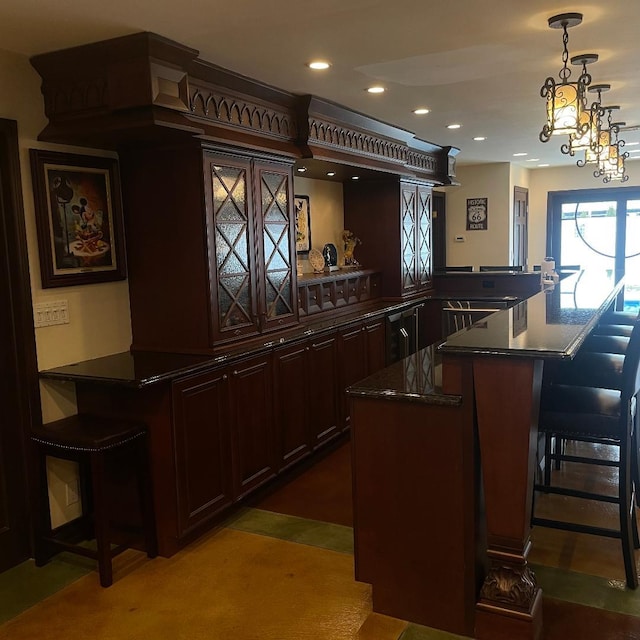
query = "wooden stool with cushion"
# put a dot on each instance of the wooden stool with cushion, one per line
(600, 406)
(91, 441)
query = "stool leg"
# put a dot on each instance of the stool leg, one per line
(43, 552)
(547, 459)
(627, 509)
(146, 498)
(101, 520)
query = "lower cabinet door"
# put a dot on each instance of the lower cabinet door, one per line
(374, 331)
(252, 431)
(202, 448)
(353, 365)
(323, 396)
(291, 406)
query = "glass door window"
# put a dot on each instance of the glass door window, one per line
(598, 229)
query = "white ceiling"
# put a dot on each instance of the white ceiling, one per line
(477, 62)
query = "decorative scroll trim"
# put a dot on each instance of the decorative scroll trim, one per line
(231, 110)
(332, 135)
(80, 96)
(512, 586)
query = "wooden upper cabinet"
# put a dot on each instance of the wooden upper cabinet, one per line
(392, 217)
(276, 249)
(253, 280)
(233, 259)
(210, 244)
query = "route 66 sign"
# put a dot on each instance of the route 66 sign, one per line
(477, 214)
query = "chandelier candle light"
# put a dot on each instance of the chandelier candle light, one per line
(565, 99)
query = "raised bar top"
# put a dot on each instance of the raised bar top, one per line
(551, 324)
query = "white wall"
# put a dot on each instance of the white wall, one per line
(496, 182)
(99, 314)
(491, 181)
(326, 208)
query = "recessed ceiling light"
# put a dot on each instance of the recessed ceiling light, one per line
(421, 112)
(543, 165)
(634, 151)
(302, 169)
(479, 138)
(331, 173)
(319, 65)
(376, 89)
(519, 155)
(533, 159)
(453, 126)
(631, 144)
(355, 177)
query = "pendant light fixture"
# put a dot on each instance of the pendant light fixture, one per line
(588, 120)
(614, 167)
(564, 99)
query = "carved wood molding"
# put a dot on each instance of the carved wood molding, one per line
(513, 586)
(216, 106)
(422, 161)
(329, 134)
(75, 97)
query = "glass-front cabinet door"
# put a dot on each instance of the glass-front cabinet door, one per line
(233, 287)
(277, 284)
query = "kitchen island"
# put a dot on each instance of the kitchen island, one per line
(444, 455)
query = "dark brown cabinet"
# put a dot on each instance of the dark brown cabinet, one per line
(392, 217)
(253, 285)
(291, 396)
(210, 245)
(323, 390)
(202, 443)
(415, 216)
(253, 437)
(362, 352)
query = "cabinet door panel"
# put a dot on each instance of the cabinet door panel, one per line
(353, 365)
(375, 344)
(253, 439)
(408, 238)
(292, 404)
(323, 399)
(423, 240)
(202, 448)
(278, 286)
(233, 284)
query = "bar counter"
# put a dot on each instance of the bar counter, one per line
(449, 437)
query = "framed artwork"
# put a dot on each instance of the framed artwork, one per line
(78, 218)
(303, 224)
(477, 212)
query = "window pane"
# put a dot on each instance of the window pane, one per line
(632, 261)
(588, 234)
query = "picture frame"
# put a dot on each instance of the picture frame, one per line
(79, 222)
(303, 223)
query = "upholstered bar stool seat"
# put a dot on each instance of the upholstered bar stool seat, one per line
(90, 440)
(595, 414)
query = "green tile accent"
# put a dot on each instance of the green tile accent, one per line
(592, 591)
(418, 632)
(25, 585)
(334, 537)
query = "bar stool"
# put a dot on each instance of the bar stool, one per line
(597, 414)
(91, 441)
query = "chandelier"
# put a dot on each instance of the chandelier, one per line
(568, 112)
(565, 99)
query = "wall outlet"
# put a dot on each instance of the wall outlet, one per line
(459, 238)
(72, 492)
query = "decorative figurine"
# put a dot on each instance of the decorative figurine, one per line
(350, 243)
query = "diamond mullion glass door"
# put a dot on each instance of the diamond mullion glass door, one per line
(408, 230)
(423, 229)
(278, 302)
(235, 293)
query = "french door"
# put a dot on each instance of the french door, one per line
(598, 229)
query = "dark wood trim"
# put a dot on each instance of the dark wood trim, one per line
(21, 404)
